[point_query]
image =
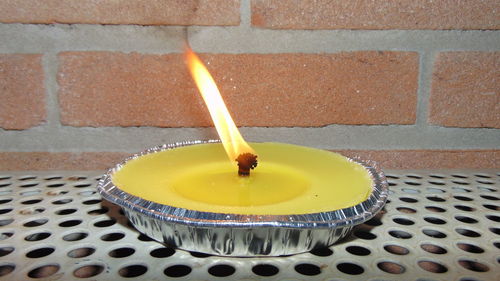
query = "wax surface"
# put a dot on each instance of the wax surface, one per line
(289, 179)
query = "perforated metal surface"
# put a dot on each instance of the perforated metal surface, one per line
(436, 226)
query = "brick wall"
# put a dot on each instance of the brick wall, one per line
(411, 84)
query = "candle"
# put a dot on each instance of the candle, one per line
(266, 199)
(290, 179)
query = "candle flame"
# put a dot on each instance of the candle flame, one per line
(233, 142)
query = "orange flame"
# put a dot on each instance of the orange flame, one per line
(233, 142)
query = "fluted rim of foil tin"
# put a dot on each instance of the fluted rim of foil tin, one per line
(349, 216)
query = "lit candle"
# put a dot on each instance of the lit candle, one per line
(191, 196)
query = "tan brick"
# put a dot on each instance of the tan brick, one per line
(151, 12)
(18, 161)
(466, 90)
(22, 91)
(387, 159)
(430, 159)
(362, 14)
(117, 89)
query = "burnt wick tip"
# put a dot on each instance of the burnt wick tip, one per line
(246, 161)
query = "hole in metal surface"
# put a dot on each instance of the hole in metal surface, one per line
(465, 219)
(414, 176)
(493, 218)
(459, 176)
(308, 269)
(5, 184)
(163, 252)
(462, 198)
(460, 189)
(88, 271)
(350, 268)
(5, 235)
(91, 201)
(470, 248)
(6, 269)
(434, 220)
(82, 185)
(44, 271)
(365, 235)
(199, 255)
(434, 233)
(55, 185)
(133, 270)
(144, 237)
(75, 236)
(81, 252)
(432, 266)
(121, 252)
(487, 189)
(464, 208)
(37, 236)
(265, 270)
(221, 270)
(5, 251)
(435, 182)
(105, 223)
(403, 221)
(113, 236)
(62, 201)
(473, 265)
(51, 178)
(65, 212)
(36, 222)
(70, 223)
(32, 210)
(406, 210)
(322, 252)
(374, 222)
(437, 176)
(492, 207)
(435, 209)
(485, 181)
(408, 199)
(467, 232)
(5, 211)
(434, 249)
(489, 197)
(3, 201)
(392, 177)
(410, 190)
(99, 211)
(32, 201)
(358, 251)
(400, 234)
(2, 177)
(177, 270)
(87, 193)
(460, 182)
(495, 230)
(397, 250)
(414, 184)
(391, 267)
(40, 253)
(435, 199)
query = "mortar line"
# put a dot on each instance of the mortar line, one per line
(245, 14)
(424, 87)
(52, 104)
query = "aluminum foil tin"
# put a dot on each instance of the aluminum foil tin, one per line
(242, 235)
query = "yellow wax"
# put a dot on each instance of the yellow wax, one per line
(289, 179)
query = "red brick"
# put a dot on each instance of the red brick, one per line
(117, 89)
(466, 90)
(387, 159)
(362, 14)
(22, 91)
(151, 12)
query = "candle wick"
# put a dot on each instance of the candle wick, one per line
(246, 161)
